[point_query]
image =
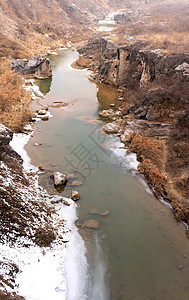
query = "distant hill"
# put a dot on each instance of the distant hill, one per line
(28, 24)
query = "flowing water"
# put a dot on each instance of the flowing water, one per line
(139, 251)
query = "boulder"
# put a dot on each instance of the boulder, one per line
(106, 113)
(184, 68)
(111, 128)
(6, 135)
(59, 179)
(90, 224)
(151, 116)
(140, 112)
(37, 66)
(44, 118)
(75, 195)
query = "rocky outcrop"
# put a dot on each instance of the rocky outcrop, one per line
(132, 66)
(37, 66)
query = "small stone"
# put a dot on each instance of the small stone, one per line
(42, 112)
(66, 203)
(106, 113)
(181, 267)
(41, 168)
(105, 213)
(44, 118)
(91, 224)
(121, 98)
(112, 105)
(75, 195)
(103, 236)
(76, 183)
(71, 176)
(94, 211)
(59, 179)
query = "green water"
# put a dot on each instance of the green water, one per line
(144, 249)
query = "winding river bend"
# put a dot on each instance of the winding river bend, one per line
(139, 251)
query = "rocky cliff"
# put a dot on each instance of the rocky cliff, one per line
(134, 65)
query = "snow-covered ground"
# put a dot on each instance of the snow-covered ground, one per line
(46, 273)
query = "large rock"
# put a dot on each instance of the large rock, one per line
(37, 66)
(60, 179)
(75, 195)
(6, 135)
(106, 113)
(111, 128)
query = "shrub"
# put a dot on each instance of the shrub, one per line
(14, 100)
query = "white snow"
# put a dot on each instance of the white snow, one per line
(59, 272)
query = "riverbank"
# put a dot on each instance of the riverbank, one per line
(153, 121)
(39, 240)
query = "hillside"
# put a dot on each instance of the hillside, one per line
(27, 26)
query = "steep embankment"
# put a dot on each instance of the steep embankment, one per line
(31, 26)
(154, 119)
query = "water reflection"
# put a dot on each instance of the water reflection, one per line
(44, 85)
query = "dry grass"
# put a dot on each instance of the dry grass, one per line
(161, 24)
(147, 148)
(14, 100)
(150, 153)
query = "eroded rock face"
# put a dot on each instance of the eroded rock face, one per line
(132, 66)
(37, 66)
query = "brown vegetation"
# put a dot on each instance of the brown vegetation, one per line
(14, 100)
(147, 148)
(161, 24)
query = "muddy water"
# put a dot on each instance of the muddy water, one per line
(139, 251)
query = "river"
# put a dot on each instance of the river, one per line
(139, 251)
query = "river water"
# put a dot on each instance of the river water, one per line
(139, 251)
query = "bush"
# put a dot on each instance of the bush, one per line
(14, 100)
